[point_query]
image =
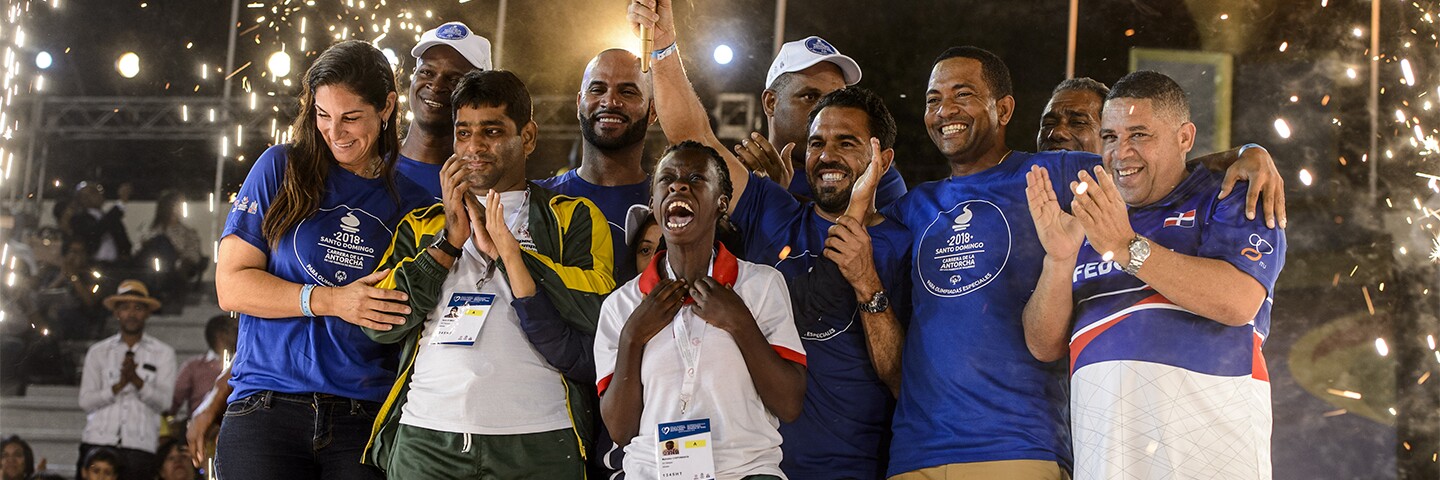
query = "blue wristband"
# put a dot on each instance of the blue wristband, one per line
(305, 292)
(660, 54)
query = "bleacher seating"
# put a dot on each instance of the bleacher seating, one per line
(49, 416)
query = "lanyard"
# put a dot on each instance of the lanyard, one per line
(688, 347)
(509, 224)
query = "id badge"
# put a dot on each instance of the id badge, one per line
(461, 319)
(683, 450)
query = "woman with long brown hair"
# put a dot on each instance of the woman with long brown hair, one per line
(296, 258)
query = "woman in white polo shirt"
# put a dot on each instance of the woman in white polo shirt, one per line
(700, 349)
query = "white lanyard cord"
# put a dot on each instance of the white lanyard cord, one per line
(688, 347)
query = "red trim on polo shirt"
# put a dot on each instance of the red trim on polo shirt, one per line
(603, 384)
(724, 270)
(790, 355)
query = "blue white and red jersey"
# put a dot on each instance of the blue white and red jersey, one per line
(1156, 390)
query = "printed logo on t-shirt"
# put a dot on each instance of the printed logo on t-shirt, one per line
(963, 249)
(813, 329)
(1181, 219)
(241, 204)
(1259, 247)
(341, 250)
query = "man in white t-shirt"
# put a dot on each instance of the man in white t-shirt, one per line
(501, 388)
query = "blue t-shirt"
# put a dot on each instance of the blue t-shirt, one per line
(970, 390)
(1189, 221)
(892, 187)
(614, 202)
(426, 175)
(844, 428)
(342, 241)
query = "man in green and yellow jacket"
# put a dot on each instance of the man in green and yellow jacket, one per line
(504, 281)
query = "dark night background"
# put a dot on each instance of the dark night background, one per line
(1335, 228)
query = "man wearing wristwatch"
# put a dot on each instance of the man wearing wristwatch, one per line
(507, 387)
(1170, 290)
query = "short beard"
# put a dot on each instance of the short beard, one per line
(831, 202)
(634, 133)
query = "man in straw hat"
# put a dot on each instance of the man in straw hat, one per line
(127, 383)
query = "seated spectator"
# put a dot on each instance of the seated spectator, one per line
(100, 464)
(175, 461)
(128, 380)
(170, 248)
(73, 296)
(17, 460)
(102, 231)
(197, 376)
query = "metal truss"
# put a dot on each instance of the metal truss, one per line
(151, 118)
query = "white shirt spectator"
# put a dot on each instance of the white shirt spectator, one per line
(500, 385)
(130, 418)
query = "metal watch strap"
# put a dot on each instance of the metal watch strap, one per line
(1137, 255)
(879, 302)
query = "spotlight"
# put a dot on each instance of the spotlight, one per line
(723, 54)
(128, 65)
(43, 60)
(279, 64)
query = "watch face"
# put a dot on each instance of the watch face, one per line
(877, 303)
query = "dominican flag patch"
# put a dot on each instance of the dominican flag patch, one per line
(1181, 219)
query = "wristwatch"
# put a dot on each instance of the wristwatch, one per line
(1139, 251)
(442, 242)
(879, 302)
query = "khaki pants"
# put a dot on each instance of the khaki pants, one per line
(998, 470)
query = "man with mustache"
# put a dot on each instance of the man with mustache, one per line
(443, 55)
(1072, 122)
(615, 111)
(842, 262)
(507, 388)
(803, 72)
(1156, 408)
(974, 402)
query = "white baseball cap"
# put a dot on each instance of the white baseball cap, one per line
(473, 47)
(802, 54)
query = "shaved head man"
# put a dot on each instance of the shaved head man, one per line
(615, 107)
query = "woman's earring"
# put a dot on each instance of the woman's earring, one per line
(384, 124)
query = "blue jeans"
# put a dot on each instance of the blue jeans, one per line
(272, 435)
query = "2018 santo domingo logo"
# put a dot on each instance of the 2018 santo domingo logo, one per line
(964, 249)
